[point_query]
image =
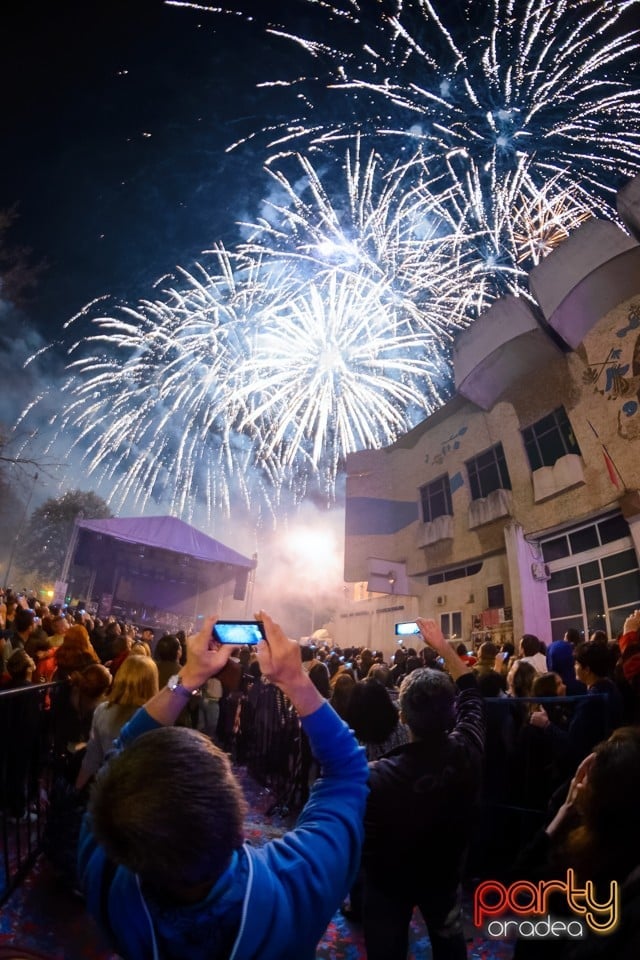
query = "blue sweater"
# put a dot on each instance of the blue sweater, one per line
(283, 893)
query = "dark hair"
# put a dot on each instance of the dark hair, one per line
(490, 683)
(530, 644)
(23, 619)
(18, 664)
(93, 681)
(370, 712)
(572, 636)
(167, 648)
(169, 786)
(522, 678)
(413, 663)
(595, 657)
(341, 694)
(546, 685)
(607, 844)
(427, 702)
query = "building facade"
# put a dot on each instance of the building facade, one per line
(515, 507)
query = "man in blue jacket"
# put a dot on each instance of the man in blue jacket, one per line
(161, 858)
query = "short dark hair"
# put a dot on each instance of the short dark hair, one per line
(530, 644)
(427, 702)
(572, 636)
(595, 657)
(170, 809)
(167, 648)
(18, 664)
(23, 619)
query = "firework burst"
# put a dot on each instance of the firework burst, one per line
(491, 96)
(550, 81)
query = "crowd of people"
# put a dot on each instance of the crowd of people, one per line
(407, 756)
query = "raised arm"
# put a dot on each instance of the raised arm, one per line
(432, 634)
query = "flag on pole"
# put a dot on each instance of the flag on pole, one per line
(612, 470)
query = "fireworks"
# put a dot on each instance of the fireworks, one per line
(440, 151)
(324, 333)
(550, 81)
(499, 98)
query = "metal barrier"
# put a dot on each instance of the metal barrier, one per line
(270, 741)
(28, 744)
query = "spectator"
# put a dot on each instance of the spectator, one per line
(135, 683)
(147, 636)
(60, 626)
(167, 656)
(38, 646)
(23, 626)
(596, 832)
(342, 689)
(122, 644)
(363, 663)
(599, 714)
(20, 669)
(487, 653)
(20, 722)
(531, 652)
(168, 812)
(433, 782)
(318, 672)
(75, 653)
(374, 718)
(560, 659)
(87, 688)
(399, 666)
(140, 648)
(627, 672)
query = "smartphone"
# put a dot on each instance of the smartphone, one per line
(407, 628)
(238, 632)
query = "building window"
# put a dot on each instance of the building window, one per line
(495, 595)
(456, 574)
(549, 439)
(451, 625)
(435, 498)
(488, 472)
(595, 578)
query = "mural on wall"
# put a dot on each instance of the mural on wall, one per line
(617, 377)
(448, 446)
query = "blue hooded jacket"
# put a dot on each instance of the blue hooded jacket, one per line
(279, 897)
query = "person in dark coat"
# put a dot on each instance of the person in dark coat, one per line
(432, 783)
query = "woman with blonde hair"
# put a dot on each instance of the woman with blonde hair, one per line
(134, 684)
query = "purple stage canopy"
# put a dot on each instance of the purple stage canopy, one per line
(167, 533)
(160, 562)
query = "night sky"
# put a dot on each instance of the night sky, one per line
(115, 127)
